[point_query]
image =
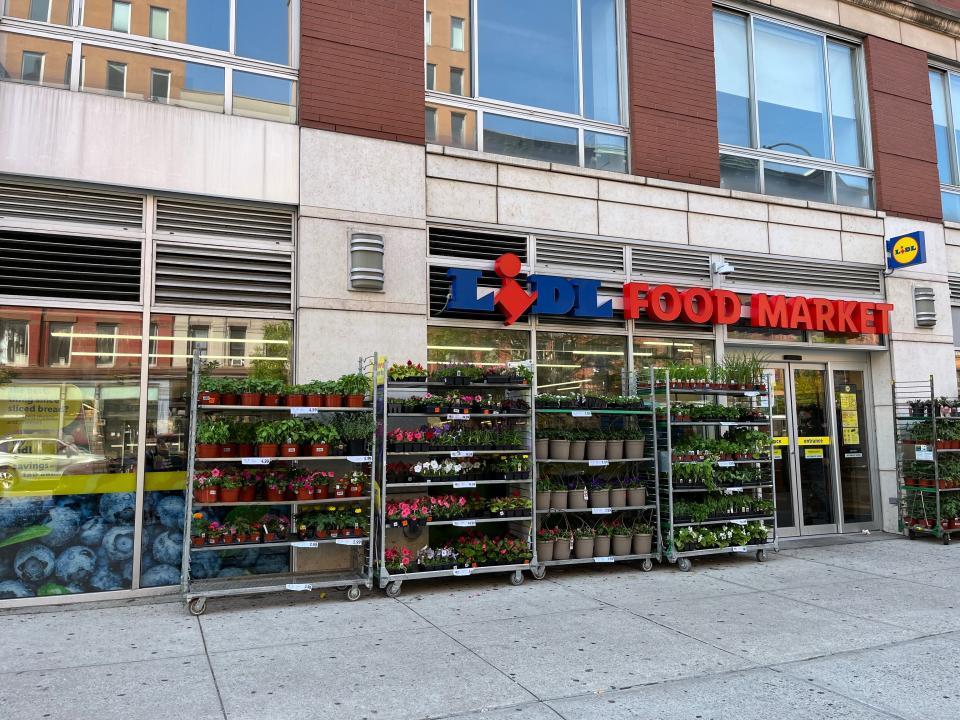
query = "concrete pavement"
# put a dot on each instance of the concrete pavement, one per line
(862, 628)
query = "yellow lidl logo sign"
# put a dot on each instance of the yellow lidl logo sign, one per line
(906, 250)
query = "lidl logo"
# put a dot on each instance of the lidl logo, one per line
(906, 250)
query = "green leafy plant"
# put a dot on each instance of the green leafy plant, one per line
(354, 384)
(213, 432)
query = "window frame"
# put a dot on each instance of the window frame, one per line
(478, 105)
(113, 16)
(107, 90)
(166, 22)
(70, 326)
(778, 157)
(946, 188)
(43, 62)
(154, 72)
(100, 330)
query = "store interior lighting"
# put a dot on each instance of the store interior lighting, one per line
(460, 347)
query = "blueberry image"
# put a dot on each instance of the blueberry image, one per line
(104, 578)
(229, 572)
(242, 558)
(170, 511)
(118, 508)
(6, 565)
(204, 565)
(85, 505)
(75, 564)
(147, 561)
(11, 589)
(125, 568)
(117, 543)
(168, 547)
(64, 523)
(160, 575)
(271, 563)
(34, 563)
(76, 588)
(50, 588)
(19, 512)
(92, 531)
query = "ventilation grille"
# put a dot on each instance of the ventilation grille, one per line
(69, 267)
(440, 290)
(954, 281)
(471, 245)
(592, 257)
(193, 275)
(183, 217)
(655, 263)
(65, 204)
(791, 274)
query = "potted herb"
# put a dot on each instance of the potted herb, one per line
(355, 429)
(250, 393)
(583, 542)
(295, 395)
(268, 444)
(354, 387)
(229, 391)
(209, 390)
(546, 539)
(289, 433)
(211, 434)
(331, 394)
(244, 434)
(642, 539)
(271, 391)
(320, 437)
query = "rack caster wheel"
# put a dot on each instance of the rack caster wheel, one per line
(911, 534)
(517, 577)
(539, 572)
(761, 555)
(353, 593)
(647, 565)
(393, 589)
(197, 606)
(684, 564)
(946, 538)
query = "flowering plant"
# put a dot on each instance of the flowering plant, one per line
(274, 523)
(407, 370)
(427, 557)
(301, 482)
(207, 478)
(215, 530)
(397, 559)
(198, 525)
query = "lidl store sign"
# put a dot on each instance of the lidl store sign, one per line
(906, 250)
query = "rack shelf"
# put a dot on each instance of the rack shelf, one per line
(726, 521)
(283, 543)
(588, 412)
(327, 458)
(465, 484)
(597, 511)
(399, 385)
(291, 410)
(464, 416)
(460, 453)
(598, 463)
(270, 503)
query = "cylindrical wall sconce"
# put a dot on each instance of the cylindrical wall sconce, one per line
(924, 307)
(366, 262)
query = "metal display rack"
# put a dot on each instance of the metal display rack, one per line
(928, 461)
(672, 492)
(647, 463)
(360, 574)
(519, 526)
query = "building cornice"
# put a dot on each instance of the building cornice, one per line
(917, 12)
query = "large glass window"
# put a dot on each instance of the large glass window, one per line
(945, 96)
(786, 91)
(579, 363)
(33, 59)
(661, 352)
(482, 346)
(557, 59)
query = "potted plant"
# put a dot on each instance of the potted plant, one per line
(275, 485)
(642, 539)
(205, 485)
(248, 485)
(618, 493)
(301, 485)
(357, 482)
(214, 533)
(596, 445)
(320, 437)
(577, 495)
(355, 387)
(583, 542)
(601, 541)
(559, 446)
(545, 488)
(198, 529)
(355, 429)
(614, 445)
(559, 496)
(244, 435)
(289, 434)
(542, 444)
(331, 394)
(407, 372)
(636, 492)
(633, 443)
(249, 393)
(274, 527)
(546, 539)
(209, 390)
(599, 492)
(295, 395)
(211, 434)
(268, 437)
(230, 488)
(229, 391)
(397, 560)
(578, 444)
(621, 539)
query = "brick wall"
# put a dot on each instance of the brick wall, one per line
(673, 101)
(361, 67)
(904, 147)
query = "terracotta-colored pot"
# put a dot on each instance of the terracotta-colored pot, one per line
(248, 493)
(289, 450)
(229, 495)
(213, 540)
(355, 401)
(197, 541)
(250, 398)
(273, 495)
(229, 399)
(321, 534)
(321, 492)
(229, 539)
(332, 400)
(228, 450)
(271, 399)
(315, 400)
(319, 449)
(340, 490)
(269, 537)
(208, 450)
(355, 490)
(303, 494)
(268, 450)
(245, 449)
(208, 397)
(294, 401)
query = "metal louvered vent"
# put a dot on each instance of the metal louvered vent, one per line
(185, 217)
(244, 278)
(440, 290)
(64, 266)
(64, 204)
(954, 281)
(675, 263)
(473, 245)
(596, 257)
(788, 275)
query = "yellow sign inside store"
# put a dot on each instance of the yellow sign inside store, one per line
(781, 441)
(813, 440)
(813, 453)
(851, 436)
(33, 409)
(92, 484)
(848, 401)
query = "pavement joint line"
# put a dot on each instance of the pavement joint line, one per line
(89, 666)
(213, 674)
(886, 712)
(480, 711)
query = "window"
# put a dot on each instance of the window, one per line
(198, 336)
(159, 23)
(265, 97)
(237, 350)
(153, 344)
(106, 344)
(59, 344)
(13, 342)
(39, 10)
(801, 118)
(160, 85)
(571, 363)
(116, 78)
(31, 70)
(431, 124)
(120, 17)
(458, 129)
(945, 94)
(456, 33)
(480, 346)
(431, 76)
(263, 30)
(428, 27)
(661, 352)
(456, 81)
(561, 58)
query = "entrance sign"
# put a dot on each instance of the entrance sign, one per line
(552, 295)
(906, 250)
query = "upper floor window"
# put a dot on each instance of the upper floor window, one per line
(542, 78)
(945, 96)
(790, 111)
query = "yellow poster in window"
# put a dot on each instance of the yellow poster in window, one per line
(813, 440)
(849, 418)
(851, 436)
(848, 401)
(813, 453)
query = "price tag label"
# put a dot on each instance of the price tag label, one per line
(923, 452)
(728, 424)
(255, 461)
(739, 522)
(764, 401)
(738, 548)
(853, 455)
(581, 413)
(598, 463)
(306, 544)
(726, 463)
(606, 559)
(464, 523)
(360, 458)
(458, 416)
(601, 511)
(465, 484)
(299, 587)
(461, 572)
(304, 411)
(349, 541)
(732, 490)
(461, 453)
(751, 393)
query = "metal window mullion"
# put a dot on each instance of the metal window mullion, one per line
(232, 44)
(228, 91)
(581, 150)
(76, 13)
(833, 186)
(580, 108)
(752, 79)
(474, 51)
(829, 90)
(294, 49)
(866, 141)
(948, 99)
(762, 179)
(623, 87)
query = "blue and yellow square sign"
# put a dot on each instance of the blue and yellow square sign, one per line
(906, 250)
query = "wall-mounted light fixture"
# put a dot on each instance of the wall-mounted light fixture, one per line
(924, 307)
(366, 262)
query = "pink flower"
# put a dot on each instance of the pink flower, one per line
(215, 472)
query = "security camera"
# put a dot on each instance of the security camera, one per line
(723, 268)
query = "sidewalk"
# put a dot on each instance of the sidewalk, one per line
(852, 630)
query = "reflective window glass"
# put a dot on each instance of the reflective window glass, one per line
(428, 27)
(32, 67)
(854, 190)
(941, 127)
(430, 121)
(525, 138)
(451, 126)
(601, 82)
(660, 352)
(456, 81)
(456, 33)
(195, 22)
(604, 152)
(739, 173)
(845, 104)
(120, 17)
(573, 363)
(731, 62)
(160, 86)
(431, 76)
(955, 104)
(796, 182)
(264, 97)
(951, 206)
(39, 10)
(791, 90)
(458, 129)
(116, 78)
(263, 30)
(48, 11)
(480, 346)
(33, 59)
(159, 23)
